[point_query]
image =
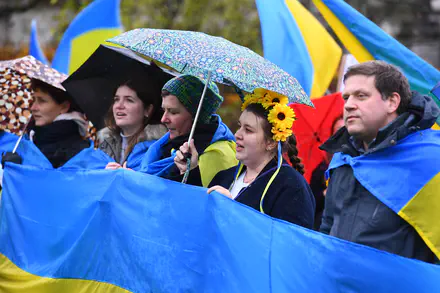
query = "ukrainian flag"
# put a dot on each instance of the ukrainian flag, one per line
(99, 21)
(77, 230)
(34, 46)
(415, 194)
(366, 41)
(295, 40)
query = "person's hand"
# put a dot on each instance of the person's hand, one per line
(220, 189)
(125, 166)
(11, 157)
(183, 153)
(113, 166)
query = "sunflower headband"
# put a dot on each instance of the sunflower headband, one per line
(280, 115)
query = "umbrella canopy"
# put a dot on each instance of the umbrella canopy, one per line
(313, 127)
(93, 85)
(15, 100)
(199, 54)
(15, 92)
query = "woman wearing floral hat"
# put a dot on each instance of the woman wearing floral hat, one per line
(262, 180)
(213, 141)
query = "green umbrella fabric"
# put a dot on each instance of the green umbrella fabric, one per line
(198, 54)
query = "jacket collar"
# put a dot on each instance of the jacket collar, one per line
(272, 164)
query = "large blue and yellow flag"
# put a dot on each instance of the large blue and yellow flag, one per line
(366, 41)
(295, 40)
(416, 195)
(99, 21)
(97, 231)
(31, 155)
(34, 45)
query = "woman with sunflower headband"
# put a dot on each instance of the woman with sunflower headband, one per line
(262, 180)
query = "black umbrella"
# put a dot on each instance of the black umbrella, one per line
(93, 85)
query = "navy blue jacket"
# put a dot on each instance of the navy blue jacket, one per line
(288, 198)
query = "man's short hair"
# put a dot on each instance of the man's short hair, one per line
(388, 79)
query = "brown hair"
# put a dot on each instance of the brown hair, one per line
(388, 79)
(289, 146)
(58, 95)
(148, 98)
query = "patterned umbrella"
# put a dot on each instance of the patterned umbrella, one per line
(198, 54)
(15, 100)
(16, 95)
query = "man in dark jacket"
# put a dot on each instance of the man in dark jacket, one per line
(379, 112)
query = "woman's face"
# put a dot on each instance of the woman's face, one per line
(128, 110)
(252, 145)
(175, 117)
(45, 109)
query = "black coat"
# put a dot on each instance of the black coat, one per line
(318, 186)
(288, 198)
(353, 213)
(59, 141)
(202, 139)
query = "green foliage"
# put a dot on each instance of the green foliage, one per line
(234, 20)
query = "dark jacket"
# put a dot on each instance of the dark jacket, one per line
(352, 212)
(318, 186)
(59, 141)
(288, 198)
(202, 139)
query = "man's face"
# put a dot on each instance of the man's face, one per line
(365, 112)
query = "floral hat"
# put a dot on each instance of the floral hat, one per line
(281, 116)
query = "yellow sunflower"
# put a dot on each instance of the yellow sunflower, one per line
(281, 116)
(281, 134)
(249, 99)
(271, 98)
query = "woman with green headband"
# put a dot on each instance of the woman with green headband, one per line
(212, 138)
(262, 180)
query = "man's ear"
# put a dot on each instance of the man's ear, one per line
(393, 103)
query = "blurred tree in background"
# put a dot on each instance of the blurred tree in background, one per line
(235, 20)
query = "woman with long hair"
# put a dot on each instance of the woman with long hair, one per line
(133, 124)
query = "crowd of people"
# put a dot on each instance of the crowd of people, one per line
(258, 166)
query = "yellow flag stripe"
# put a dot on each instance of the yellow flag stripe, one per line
(347, 38)
(421, 212)
(15, 280)
(84, 45)
(324, 52)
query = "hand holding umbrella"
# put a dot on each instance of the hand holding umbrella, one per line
(186, 158)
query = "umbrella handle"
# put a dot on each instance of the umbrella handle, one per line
(21, 136)
(191, 134)
(193, 128)
(17, 144)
